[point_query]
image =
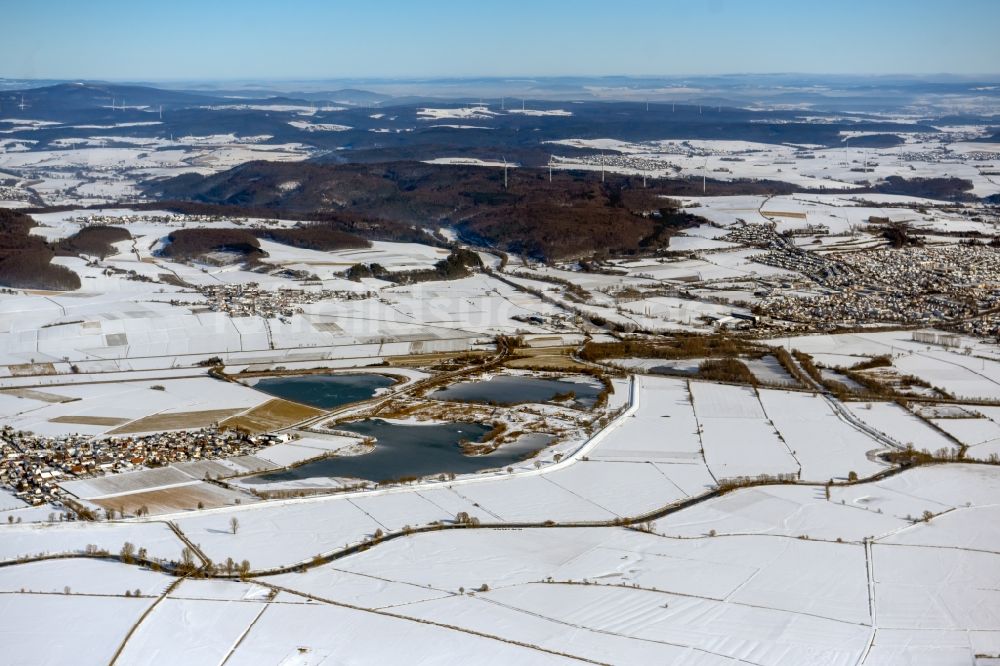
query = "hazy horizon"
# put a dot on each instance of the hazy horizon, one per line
(942, 76)
(310, 40)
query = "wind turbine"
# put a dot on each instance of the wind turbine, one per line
(550, 168)
(504, 172)
(602, 167)
(22, 105)
(704, 176)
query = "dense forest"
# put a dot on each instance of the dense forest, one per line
(318, 225)
(315, 236)
(954, 189)
(191, 244)
(876, 141)
(571, 216)
(95, 241)
(25, 260)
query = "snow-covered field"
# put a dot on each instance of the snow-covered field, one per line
(116, 324)
(49, 629)
(28, 541)
(813, 167)
(470, 161)
(306, 126)
(117, 405)
(793, 576)
(106, 168)
(972, 375)
(896, 422)
(463, 113)
(841, 214)
(737, 438)
(822, 443)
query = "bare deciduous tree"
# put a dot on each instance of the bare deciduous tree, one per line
(244, 569)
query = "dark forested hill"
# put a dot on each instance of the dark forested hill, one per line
(574, 215)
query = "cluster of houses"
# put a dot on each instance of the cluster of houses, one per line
(981, 327)
(8, 193)
(175, 219)
(981, 156)
(942, 286)
(250, 299)
(619, 161)
(33, 466)
(783, 253)
(752, 235)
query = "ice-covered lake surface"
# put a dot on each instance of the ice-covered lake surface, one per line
(509, 390)
(411, 450)
(324, 391)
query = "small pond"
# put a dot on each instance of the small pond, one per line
(511, 390)
(324, 391)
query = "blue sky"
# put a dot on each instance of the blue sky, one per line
(256, 39)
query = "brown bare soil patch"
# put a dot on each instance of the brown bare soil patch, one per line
(424, 360)
(272, 415)
(42, 396)
(25, 369)
(781, 213)
(542, 358)
(176, 421)
(178, 498)
(90, 420)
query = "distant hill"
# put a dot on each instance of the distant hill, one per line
(354, 124)
(573, 216)
(68, 97)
